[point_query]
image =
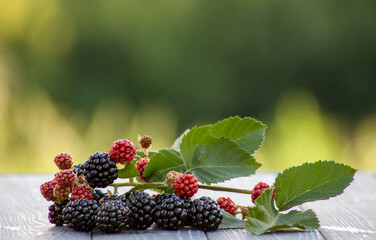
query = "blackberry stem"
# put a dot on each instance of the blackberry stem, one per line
(214, 188)
(225, 189)
(127, 184)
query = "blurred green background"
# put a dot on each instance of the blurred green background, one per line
(77, 75)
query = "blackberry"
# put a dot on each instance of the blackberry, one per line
(61, 193)
(170, 213)
(78, 169)
(63, 161)
(100, 170)
(98, 195)
(112, 216)
(258, 189)
(81, 192)
(55, 214)
(186, 185)
(65, 178)
(47, 189)
(206, 215)
(145, 141)
(227, 204)
(142, 207)
(141, 165)
(122, 151)
(80, 214)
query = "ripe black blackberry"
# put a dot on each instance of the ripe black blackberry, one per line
(112, 216)
(100, 170)
(55, 214)
(80, 214)
(78, 169)
(170, 213)
(98, 195)
(206, 215)
(142, 207)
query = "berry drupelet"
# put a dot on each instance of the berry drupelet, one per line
(100, 170)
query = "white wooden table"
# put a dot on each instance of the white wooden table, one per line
(23, 213)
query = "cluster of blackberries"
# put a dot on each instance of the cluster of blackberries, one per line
(137, 210)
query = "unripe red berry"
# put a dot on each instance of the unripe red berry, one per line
(227, 204)
(141, 165)
(61, 193)
(47, 190)
(186, 185)
(63, 161)
(65, 178)
(258, 189)
(122, 151)
(79, 192)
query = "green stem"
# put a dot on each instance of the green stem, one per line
(225, 189)
(127, 184)
(214, 188)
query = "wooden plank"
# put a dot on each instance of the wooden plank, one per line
(351, 215)
(24, 212)
(153, 233)
(241, 234)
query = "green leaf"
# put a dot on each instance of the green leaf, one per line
(143, 186)
(306, 220)
(213, 159)
(176, 145)
(230, 221)
(310, 182)
(129, 170)
(264, 217)
(141, 154)
(163, 162)
(194, 138)
(247, 132)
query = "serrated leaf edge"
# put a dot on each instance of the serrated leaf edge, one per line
(240, 118)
